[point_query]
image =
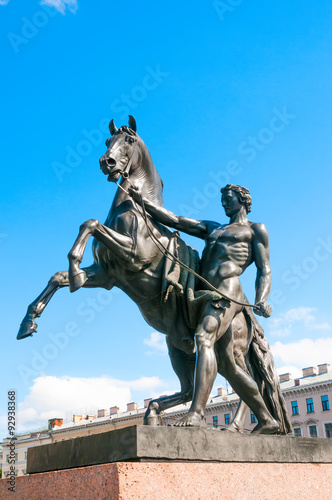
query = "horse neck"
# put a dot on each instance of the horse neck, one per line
(144, 175)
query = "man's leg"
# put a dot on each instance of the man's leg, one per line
(243, 384)
(213, 324)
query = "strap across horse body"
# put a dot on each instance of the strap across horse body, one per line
(165, 251)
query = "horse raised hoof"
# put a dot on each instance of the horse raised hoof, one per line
(27, 329)
(77, 281)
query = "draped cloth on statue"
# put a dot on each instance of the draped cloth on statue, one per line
(261, 365)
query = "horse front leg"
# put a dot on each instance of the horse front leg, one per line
(28, 326)
(118, 243)
(96, 278)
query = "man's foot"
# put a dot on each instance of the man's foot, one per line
(192, 419)
(268, 427)
(232, 428)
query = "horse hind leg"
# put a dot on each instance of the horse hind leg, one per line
(241, 339)
(184, 366)
(237, 424)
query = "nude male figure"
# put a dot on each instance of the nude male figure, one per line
(229, 250)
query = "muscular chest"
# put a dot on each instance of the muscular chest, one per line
(233, 233)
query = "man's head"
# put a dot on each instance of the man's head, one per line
(233, 197)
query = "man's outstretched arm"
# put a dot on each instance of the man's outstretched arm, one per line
(185, 224)
(262, 261)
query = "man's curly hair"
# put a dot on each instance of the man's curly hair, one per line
(242, 193)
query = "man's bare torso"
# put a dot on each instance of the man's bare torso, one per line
(228, 251)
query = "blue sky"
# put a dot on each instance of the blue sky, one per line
(232, 91)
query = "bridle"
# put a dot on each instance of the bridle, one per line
(125, 172)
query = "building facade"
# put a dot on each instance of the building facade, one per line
(308, 400)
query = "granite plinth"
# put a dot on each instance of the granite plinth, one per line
(177, 481)
(137, 443)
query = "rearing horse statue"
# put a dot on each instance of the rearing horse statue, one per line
(126, 256)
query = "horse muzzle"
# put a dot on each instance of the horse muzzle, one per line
(107, 166)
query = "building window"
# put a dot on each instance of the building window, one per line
(215, 422)
(297, 431)
(7, 457)
(7, 474)
(313, 431)
(253, 419)
(328, 430)
(227, 419)
(310, 405)
(325, 403)
(295, 408)
(25, 455)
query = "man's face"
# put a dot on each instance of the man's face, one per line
(231, 203)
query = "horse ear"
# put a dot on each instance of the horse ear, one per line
(132, 123)
(112, 127)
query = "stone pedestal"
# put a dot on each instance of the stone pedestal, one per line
(141, 442)
(178, 481)
(169, 463)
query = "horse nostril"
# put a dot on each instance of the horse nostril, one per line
(110, 162)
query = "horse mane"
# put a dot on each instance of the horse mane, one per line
(126, 130)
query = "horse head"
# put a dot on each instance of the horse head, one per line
(128, 156)
(120, 150)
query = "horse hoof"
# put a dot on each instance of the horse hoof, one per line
(27, 330)
(77, 281)
(151, 416)
(151, 420)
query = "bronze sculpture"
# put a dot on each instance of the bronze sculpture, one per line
(127, 255)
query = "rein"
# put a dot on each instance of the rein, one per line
(164, 250)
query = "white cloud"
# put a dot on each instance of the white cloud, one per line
(157, 342)
(282, 326)
(293, 370)
(280, 332)
(52, 396)
(4, 2)
(303, 353)
(145, 383)
(61, 5)
(304, 314)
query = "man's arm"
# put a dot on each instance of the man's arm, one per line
(262, 260)
(185, 224)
